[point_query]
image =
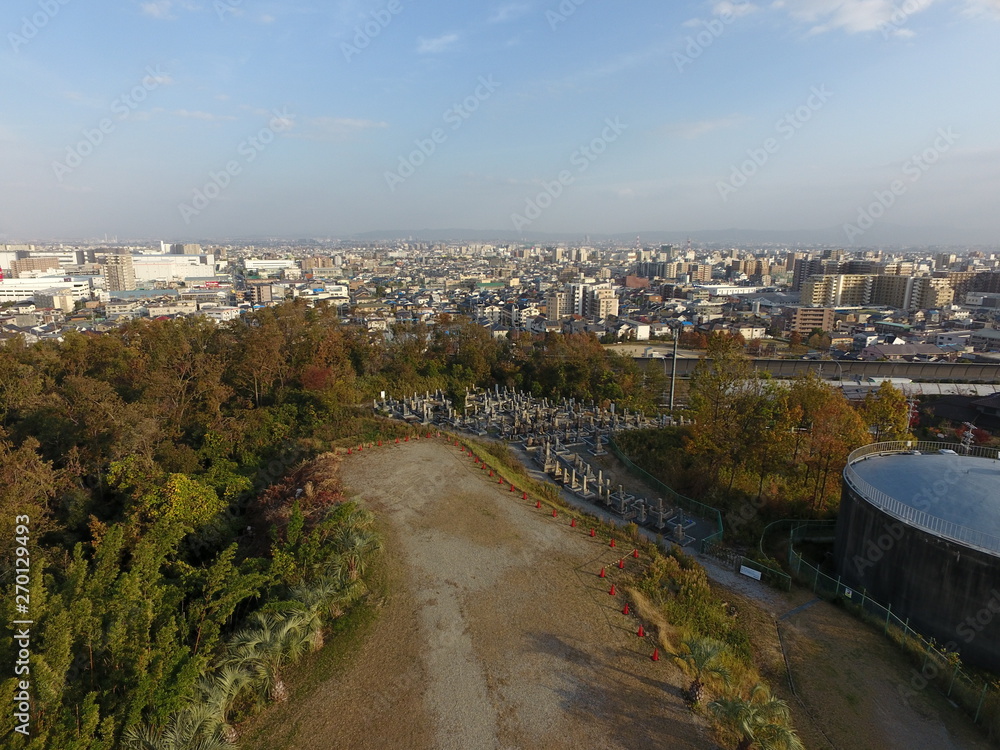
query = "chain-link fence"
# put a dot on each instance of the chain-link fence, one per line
(978, 696)
(707, 512)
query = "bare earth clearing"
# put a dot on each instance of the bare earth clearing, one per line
(497, 633)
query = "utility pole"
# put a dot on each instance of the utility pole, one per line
(673, 372)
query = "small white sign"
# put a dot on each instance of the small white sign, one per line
(382, 396)
(847, 592)
(750, 572)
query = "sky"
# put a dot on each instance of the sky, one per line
(212, 119)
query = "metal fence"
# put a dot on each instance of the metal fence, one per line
(909, 514)
(977, 696)
(710, 514)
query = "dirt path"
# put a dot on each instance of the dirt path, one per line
(497, 632)
(852, 687)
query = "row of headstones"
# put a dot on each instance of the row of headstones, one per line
(577, 476)
(514, 413)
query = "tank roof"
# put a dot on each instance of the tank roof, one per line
(945, 486)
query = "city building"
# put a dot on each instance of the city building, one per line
(119, 273)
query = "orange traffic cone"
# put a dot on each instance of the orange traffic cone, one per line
(613, 592)
(524, 495)
(641, 633)
(635, 553)
(656, 654)
(538, 503)
(593, 533)
(621, 564)
(612, 543)
(601, 574)
(625, 609)
(573, 523)
(555, 513)
(348, 451)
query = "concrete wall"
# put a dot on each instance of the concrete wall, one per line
(948, 591)
(786, 368)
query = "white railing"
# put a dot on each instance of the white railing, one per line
(909, 514)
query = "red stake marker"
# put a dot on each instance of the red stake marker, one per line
(601, 574)
(612, 543)
(635, 554)
(555, 514)
(656, 654)
(613, 592)
(625, 609)
(573, 523)
(621, 564)
(592, 533)
(641, 633)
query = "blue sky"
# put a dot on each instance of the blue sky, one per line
(202, 119)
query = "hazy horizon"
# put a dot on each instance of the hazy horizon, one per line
(862, 121)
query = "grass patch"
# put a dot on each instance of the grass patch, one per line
(343, 641)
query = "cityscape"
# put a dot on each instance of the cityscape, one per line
(536, 374)
(928, 305)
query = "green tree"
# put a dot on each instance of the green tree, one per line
(702, 657)
(760, 721)
(886, 413)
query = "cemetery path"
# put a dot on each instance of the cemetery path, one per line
(497, 632)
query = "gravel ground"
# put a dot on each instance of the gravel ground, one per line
(498, 632)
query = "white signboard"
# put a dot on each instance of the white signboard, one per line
(755, 574)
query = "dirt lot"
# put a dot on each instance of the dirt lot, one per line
(497, 633)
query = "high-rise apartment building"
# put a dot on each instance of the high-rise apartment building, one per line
(119, 273)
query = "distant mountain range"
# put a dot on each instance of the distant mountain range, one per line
(880, 235)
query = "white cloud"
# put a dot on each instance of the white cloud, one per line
(199, 115)
(852, 16)
(437, 44)
(690, 130)
(159, 9)
(734, 9)
(977, 8)
(509, 12)
(338, 128)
